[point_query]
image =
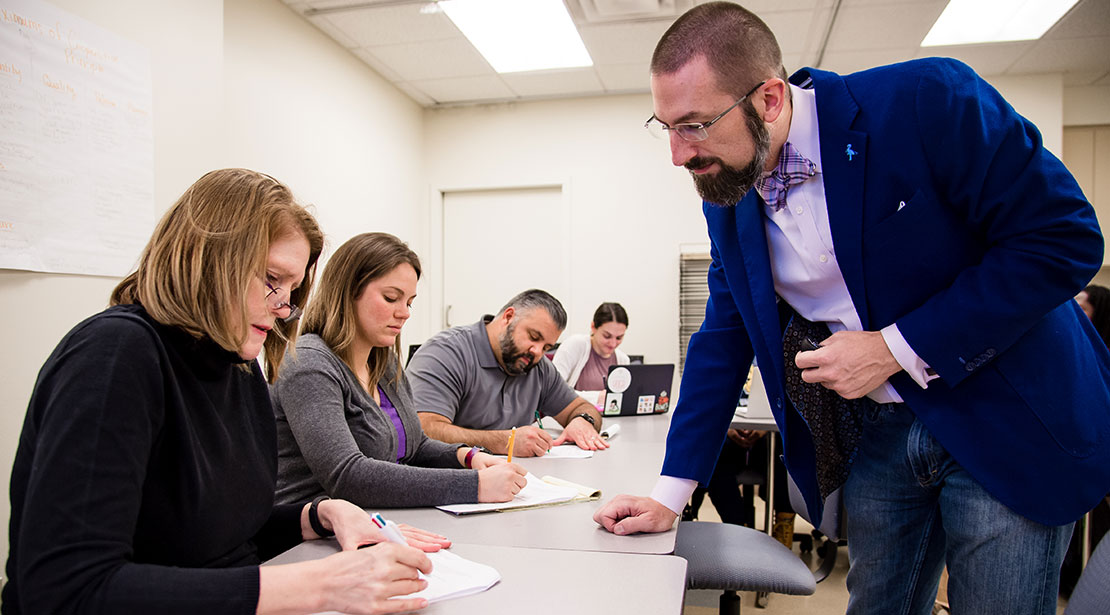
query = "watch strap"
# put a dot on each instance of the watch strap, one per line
(589, 419)
(469, 461)
(314, 518)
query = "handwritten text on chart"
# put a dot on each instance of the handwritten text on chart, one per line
(59, 86)
(77, 51)
(11, 70)
(76, 145)
(37, 27)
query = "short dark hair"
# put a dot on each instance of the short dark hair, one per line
(536, 298)
(1099, 298)
(610, 312)
(740, 48)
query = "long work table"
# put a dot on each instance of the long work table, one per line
(626, 467)
(530, 547)
(530, 580)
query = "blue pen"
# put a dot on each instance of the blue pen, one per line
(389, 528)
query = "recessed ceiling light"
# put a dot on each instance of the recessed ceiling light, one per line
(518, 35)
(964, 22)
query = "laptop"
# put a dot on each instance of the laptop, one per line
(632, 390)
(758, 407)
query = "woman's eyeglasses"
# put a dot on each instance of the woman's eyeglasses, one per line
(274, 298)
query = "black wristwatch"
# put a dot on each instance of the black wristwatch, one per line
(314, 519)
(590, 419)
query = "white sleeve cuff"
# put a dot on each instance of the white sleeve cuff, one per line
(673, 492)
(918, 369)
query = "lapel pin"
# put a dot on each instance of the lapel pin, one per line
(850, 152)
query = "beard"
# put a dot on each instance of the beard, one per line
(510, 354)
(729, 184)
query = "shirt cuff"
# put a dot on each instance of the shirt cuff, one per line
(673, 492)
(918, 369)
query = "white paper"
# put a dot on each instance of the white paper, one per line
(536, 492)
(452, 577)
(563, 451)
(594, 397)
(567, 451)
(76, 144)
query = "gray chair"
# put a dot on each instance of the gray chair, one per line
(734, 558)
(1091, 595)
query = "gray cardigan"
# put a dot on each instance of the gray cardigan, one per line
(334, 439)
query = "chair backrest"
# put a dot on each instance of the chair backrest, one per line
(550, 354)
(412, 350)
(1092, 594)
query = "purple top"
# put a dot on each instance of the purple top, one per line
(595, 371)
(391, 412)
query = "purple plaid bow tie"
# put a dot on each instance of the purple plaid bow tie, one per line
(793, 168)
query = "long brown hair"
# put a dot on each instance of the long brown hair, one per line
(332, 314)
(208, 248)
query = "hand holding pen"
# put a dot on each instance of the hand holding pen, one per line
(529, 441)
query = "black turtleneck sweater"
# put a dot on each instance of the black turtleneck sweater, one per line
(144, 478)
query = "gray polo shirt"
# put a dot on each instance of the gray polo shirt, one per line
(455, 374)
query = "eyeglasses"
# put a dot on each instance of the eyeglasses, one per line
(692, 131)
(277, 304)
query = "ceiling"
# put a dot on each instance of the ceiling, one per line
(425, 55)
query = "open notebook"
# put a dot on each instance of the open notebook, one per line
(548, 491)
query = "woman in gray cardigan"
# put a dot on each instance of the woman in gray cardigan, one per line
(346, 425)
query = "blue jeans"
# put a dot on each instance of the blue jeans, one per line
(910, 508)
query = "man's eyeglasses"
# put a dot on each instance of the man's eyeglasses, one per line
(692, 131)
(277, 303)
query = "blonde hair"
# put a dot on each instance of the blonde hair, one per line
(332, 315)
(208, 248)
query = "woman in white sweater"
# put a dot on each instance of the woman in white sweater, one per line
(584, 360)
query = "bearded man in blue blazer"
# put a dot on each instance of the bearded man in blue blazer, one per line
(914, 213)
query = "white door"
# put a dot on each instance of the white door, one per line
(497, 243)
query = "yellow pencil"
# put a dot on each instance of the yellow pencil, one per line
(512, 438)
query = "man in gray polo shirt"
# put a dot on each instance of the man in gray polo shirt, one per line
(473, 384)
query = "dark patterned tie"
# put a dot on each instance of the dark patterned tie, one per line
(793, 168)
(834, 422)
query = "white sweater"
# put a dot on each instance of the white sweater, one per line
(572, 355)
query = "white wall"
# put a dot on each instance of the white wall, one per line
(629, 208)
(1040, 98)
(236, 83)
(303, 109)
(1087, 106)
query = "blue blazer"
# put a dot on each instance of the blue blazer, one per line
(978, 269)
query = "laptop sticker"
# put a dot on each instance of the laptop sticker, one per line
(619, 380)
(612, 404)
(645, 404)
(663, 402)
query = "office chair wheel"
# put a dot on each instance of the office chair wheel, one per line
(761, 600)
